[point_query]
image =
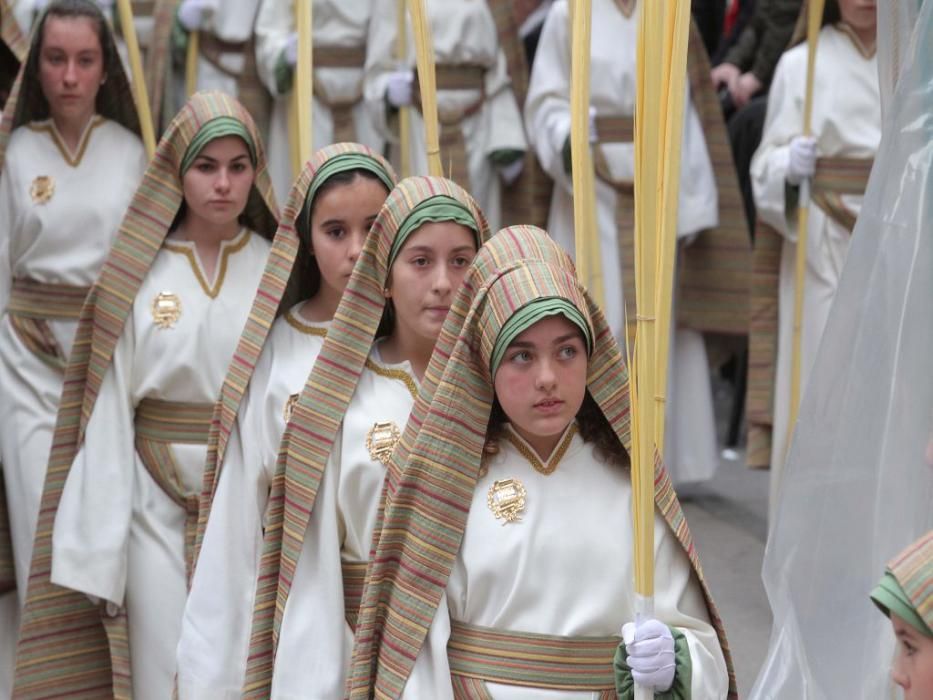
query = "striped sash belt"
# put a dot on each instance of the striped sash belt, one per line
(836, 177)
(159, 424)
(480, 654)
(452, 143)
(354, 578)
(620, 129)
(341, 111)
(33, 304)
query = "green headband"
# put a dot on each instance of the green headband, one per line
(890, 598)
(435, 209)
(341, 164)
(214, 129)
(529, 315)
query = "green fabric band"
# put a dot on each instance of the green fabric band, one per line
(890, 598)
(529, 315)
(214, 129)
(341, 164)
(435, 209)
(681, 688)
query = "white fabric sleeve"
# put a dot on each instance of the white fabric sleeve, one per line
(679, 603)
(430, 676)
(768, 168)
(92, 525)
(214, 643)
(505, 117)
(380, 62)
(547, 108)
(274, 24)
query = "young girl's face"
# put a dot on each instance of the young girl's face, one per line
(425, 276)
(217, 184)
(541, 381)
(340, 221)
(913, 666)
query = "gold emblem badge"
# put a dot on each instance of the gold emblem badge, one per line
(506, 500)
(381, 440)
(289, 409)
(42, 189)
(166, 309)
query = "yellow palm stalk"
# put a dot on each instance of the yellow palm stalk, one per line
(814, 18)
(586, 233)
(404, 115)
(191, 63)
(139, 80)
(427, 83)
(300, 126)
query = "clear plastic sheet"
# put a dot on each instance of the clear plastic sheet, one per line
(858, 485)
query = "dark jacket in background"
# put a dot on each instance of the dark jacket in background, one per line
(764, 38)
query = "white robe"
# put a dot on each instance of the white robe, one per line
(335, 23)
(315, 642)
(228, 21)
(463, 32)
(846, 121)
(566, 568)
(62, 241)
(690, 452)
(117, 535)
(216, 626)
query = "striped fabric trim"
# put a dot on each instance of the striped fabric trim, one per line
(913, 569)
(10, 32)
(63, 648)
(26, 102)
(317, 416)
(532, 660)
(836, 177)
(354, 579)
(41, 300)
(434, 468)
(278, 291)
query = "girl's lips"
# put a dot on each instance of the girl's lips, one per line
(549, 406)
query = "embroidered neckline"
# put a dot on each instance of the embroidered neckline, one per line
(865, 51)
(303, 326)
(73, 159)
(529, 453)
(227, 248)
(396, 374)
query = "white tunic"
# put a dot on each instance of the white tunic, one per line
(315, 643)
(846, 121)
(64, 240)
(566, 568)
(216, 626)
(335, 23)
(463, 32)
(117, 535)
(690, 452)
(232, 22)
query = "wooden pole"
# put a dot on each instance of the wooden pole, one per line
(191, 63)
(404, 113)
(427, 82)
(139, 80)
(303, 93)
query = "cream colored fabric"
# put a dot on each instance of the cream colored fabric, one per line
(513, 577)
(463, 33)
(65, 241)
(315, 643)
(690, 452)
(215, 629)
(847, 123)
(335, 23)
(117, 535)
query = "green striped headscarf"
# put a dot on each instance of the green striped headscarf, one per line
(284, 283)
(435, 209)
(213, 130)
(318, 415)
(907, 586)
(63, 644)
(435, 466)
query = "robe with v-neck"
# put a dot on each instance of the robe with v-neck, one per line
(118, 536)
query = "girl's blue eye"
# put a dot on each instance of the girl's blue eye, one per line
(521, 357)
(567, 352)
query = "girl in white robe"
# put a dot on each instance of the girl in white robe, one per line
(475, 102)
(336, 200)
(339, 41)
(504, 565)
(690, 452)
(846, 124)
(125, 516)
(343, 428)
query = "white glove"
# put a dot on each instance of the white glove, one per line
(510, 172)
(650, 650)
(399, 88)
(190, 14)
(290, 52)
(802, 161)
(111, 609)
(594, 135)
